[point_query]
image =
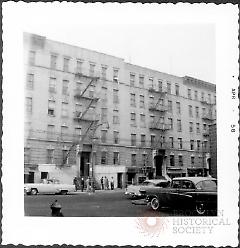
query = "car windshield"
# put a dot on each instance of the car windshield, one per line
(207, 185)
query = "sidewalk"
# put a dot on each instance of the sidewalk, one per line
(99, 191)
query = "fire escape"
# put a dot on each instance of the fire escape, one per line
(85, 112)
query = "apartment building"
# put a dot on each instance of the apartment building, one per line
(92, 114)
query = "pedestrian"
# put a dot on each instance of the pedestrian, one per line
(107, 183)
(82, 184)
(101, 180)
(75, 182)
(88, 184)
(112, 183)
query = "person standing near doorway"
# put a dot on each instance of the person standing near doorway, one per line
(101, 180)
(112, 183)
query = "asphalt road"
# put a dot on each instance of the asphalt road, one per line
(98, 204)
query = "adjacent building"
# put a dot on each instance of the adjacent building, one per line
(92, 114)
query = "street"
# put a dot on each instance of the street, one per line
(99, 204)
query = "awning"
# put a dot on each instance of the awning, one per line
(133, 169)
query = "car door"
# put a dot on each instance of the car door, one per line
(184, 197)
(172, 194)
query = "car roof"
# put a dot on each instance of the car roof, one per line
(195, 179)
(155, 180)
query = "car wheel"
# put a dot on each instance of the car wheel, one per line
(34, 191)
(63, 192)
(200, 208)
(155, 203)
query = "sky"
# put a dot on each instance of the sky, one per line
(145, 35)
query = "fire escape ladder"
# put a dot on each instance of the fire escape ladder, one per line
(87, 86)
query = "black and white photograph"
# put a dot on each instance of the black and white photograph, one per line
(121, 114)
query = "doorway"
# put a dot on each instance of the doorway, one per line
(119, 180)
(84, 166)
(158, 165)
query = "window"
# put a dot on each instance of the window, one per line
(91, 92)
(197, 111)
(141, 81)
(177, 89)
(191, 144)
(204, 127)
(189, 94)
(170, 121)
(205, 143)
(198, 145)
(66, 64)
(26, 155)
(32, 57)
(79, 66)
(91, 69)
(196, 95)
(116, 159)
(30, 81)
(151, 83)
(142, 103)
(104, 115)
(52, 85)
(192, 161)
(51, 108)
(198, 127)
(179, 125)
(103, 136)
(190, 127)
(64, 109)
(65, 87)
(53, 61)
(202, 96)
(169, 106)
(133, 139)
(132, 79)
(78, 132)
(209, 98)
(78, 86)
(29, 105)
(178, 107)
(50, 131)
(133, 159)
(103, 157)
(50, 156)
(203, 111)
(115, 117)
(160, 86)
(64, 132)
(132, 100)
(115, 96)
(152, 140)
(190, 110)
(171, 142)
(214, 99)
(133, 119)
(169, 88)
(65, 156)
(104, 72)
(115, 137)
(143, 140)
(180, 160)
(115, 75)
(172, 162)
(180, 143)
(144, 159)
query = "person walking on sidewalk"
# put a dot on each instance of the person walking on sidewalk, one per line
(101, 180)
(82, 184)
(88, 184)
(105, 183)
(112, 183)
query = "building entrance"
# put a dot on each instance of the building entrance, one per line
(158, 164)
(84, 166)
(119, 180)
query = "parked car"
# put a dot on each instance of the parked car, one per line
(189, 193)
(134, 190)
(48, 186)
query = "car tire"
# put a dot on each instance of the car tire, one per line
(200, 208)
(34, 191)
(155, 203)
(63, 192)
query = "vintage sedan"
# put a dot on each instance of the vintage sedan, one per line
(197, 194)
(138, 191)
(48, 186)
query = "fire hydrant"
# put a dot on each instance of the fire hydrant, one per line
(56, 209)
